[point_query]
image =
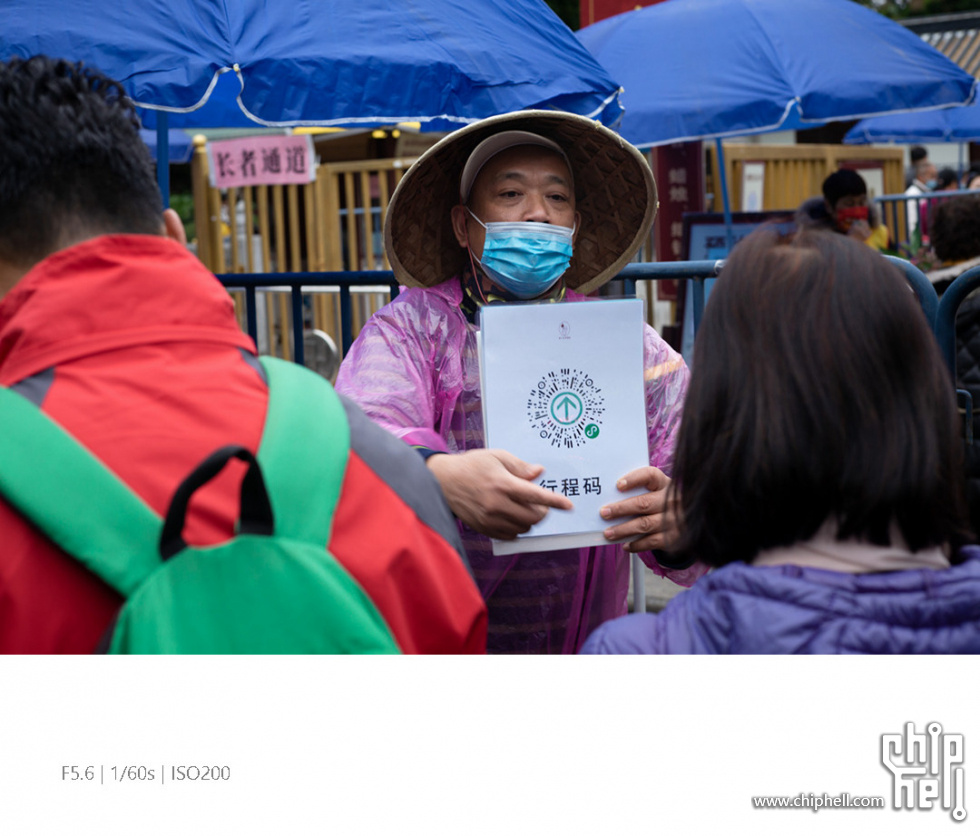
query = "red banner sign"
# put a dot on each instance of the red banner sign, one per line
(679, 172)
(591, 11)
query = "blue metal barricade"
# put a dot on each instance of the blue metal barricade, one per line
(945, 322)
(661, 270)
(298, 283)
(939, 313)
(945, 329)
(923, 288)
(345, 281)
(898, 210)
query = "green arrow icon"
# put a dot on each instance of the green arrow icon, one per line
(566, 402)
(566, 408)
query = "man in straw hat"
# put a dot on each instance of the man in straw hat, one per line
(533, 205)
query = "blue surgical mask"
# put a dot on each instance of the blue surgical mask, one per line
(931, 184)
(525, 258)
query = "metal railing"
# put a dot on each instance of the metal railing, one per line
(941, 315)
(923, 288)
(300, 284)
(896, 210)
(662, 270)
(945, 321)
(945, 330)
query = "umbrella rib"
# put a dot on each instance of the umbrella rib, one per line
(193, 107)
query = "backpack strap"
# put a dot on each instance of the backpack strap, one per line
(90, 513)
(73, 498)
(304, 450)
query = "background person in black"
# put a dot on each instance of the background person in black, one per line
(844, 208)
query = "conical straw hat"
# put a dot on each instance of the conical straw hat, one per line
(614, 188)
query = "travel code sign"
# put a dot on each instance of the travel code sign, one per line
(566, 408)
(563, 387)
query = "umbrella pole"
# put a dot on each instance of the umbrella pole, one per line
(163, 156)
(726, 208)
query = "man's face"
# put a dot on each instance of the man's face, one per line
(524, 183)
(851, 201)
(847, 202)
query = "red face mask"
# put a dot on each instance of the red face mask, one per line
(849, 214)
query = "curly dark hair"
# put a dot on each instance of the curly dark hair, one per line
(954, 228)
(817, 393)
(72, 162)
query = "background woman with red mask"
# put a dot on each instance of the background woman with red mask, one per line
(844, 208)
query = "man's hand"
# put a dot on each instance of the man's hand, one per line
(860, 230)
(655, 523)
(493, 492)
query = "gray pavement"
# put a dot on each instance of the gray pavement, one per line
(658, 591)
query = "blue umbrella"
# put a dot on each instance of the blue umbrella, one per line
(717, 68)
(221, 110)
(179, 144)
(956, 124)
(344, 63)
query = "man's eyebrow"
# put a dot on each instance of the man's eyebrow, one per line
(520, 176)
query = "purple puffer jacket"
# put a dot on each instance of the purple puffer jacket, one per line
(789, 609)
(414, 370)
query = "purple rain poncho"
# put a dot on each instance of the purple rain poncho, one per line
(414, 370)
(741, 608)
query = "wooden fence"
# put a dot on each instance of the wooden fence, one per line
(333, 223)
(794, 173)
(336, 224)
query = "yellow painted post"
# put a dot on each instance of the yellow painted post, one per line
(262, 199)
(332, 221)
(353, 253)
(279, 216)
(367, 219)
(232, 202)
(249, 258)
(332, 245)
(218, 239)
(203, 222)
(309, 211)
(383, 208)
(292, 200)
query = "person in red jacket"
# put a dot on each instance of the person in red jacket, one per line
(119, 333)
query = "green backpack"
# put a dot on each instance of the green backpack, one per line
(272, 588)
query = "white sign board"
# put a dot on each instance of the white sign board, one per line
(753, 186)
(563, 387)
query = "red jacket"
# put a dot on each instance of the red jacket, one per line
(132, 345)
